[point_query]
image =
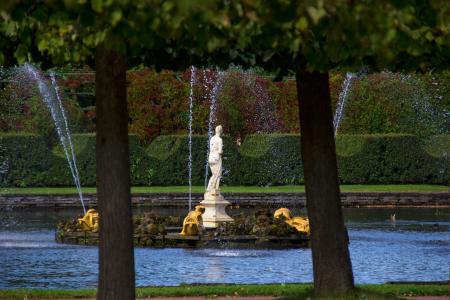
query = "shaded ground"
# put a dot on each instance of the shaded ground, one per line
(254, 298)
(428, 298)
(193, 298)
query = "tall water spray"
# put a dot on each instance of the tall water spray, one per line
(4, 164)
(52, 99)
(191, 106)
(341, 102)
(70, 156)
(212, 117)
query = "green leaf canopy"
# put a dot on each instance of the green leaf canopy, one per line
(276, 34)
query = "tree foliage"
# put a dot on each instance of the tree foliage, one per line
(278, 34)
(322, 35)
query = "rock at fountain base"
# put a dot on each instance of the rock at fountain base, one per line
(215, 213)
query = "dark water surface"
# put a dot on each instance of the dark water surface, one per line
(414, 248)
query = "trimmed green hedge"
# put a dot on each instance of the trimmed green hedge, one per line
(170, 156)
(392, 158)
(32, 163)
(84, 145)
(264, 159)
(270, 159)
(28, 159)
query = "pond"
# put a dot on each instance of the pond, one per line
(414, 248)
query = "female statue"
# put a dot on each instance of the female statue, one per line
(215, 161)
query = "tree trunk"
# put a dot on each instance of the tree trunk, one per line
(329, 239)
(116, 269)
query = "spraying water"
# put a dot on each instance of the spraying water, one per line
(191, 106)
(341, 102)
(212, 117)
(53, 101)
(4, 164)
(72, 158)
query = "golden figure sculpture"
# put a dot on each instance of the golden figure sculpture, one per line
(299, 223)
(193, 223)
(90, 220)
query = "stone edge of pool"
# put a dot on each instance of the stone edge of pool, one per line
(297, 199)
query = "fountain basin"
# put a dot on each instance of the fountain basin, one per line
(259, 230)
(175, 240)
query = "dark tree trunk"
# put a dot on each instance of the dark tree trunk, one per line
(329, 239)
(116, 270)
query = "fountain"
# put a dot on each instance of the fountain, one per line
(212, 117)
(191, 105)
(4, 164)
(341, 102)
(90, 221)
(52, 99)
(259, 230)
(208, 225)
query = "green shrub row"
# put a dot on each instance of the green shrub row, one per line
(264, 159)
(392, 158)
(270, 159)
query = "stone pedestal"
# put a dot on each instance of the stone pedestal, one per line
(215, 212)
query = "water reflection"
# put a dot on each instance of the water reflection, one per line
(214, 269)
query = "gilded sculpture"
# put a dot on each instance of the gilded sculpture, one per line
(299, 223)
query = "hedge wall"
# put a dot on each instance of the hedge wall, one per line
(32, 163)
(393, 158)
(270, 159)
(28, 160)
(170, 156)
(84, 145)
(265, 159)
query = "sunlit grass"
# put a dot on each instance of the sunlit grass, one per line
(236, 189)
(289, 291)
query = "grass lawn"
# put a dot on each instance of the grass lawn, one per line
(237, 189)
(290, 291)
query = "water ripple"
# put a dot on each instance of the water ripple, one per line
(380, 252)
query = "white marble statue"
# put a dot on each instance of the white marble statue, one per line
(214, 203)
(215, 160)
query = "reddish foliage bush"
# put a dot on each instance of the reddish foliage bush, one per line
(246, 103)
(156, 104)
